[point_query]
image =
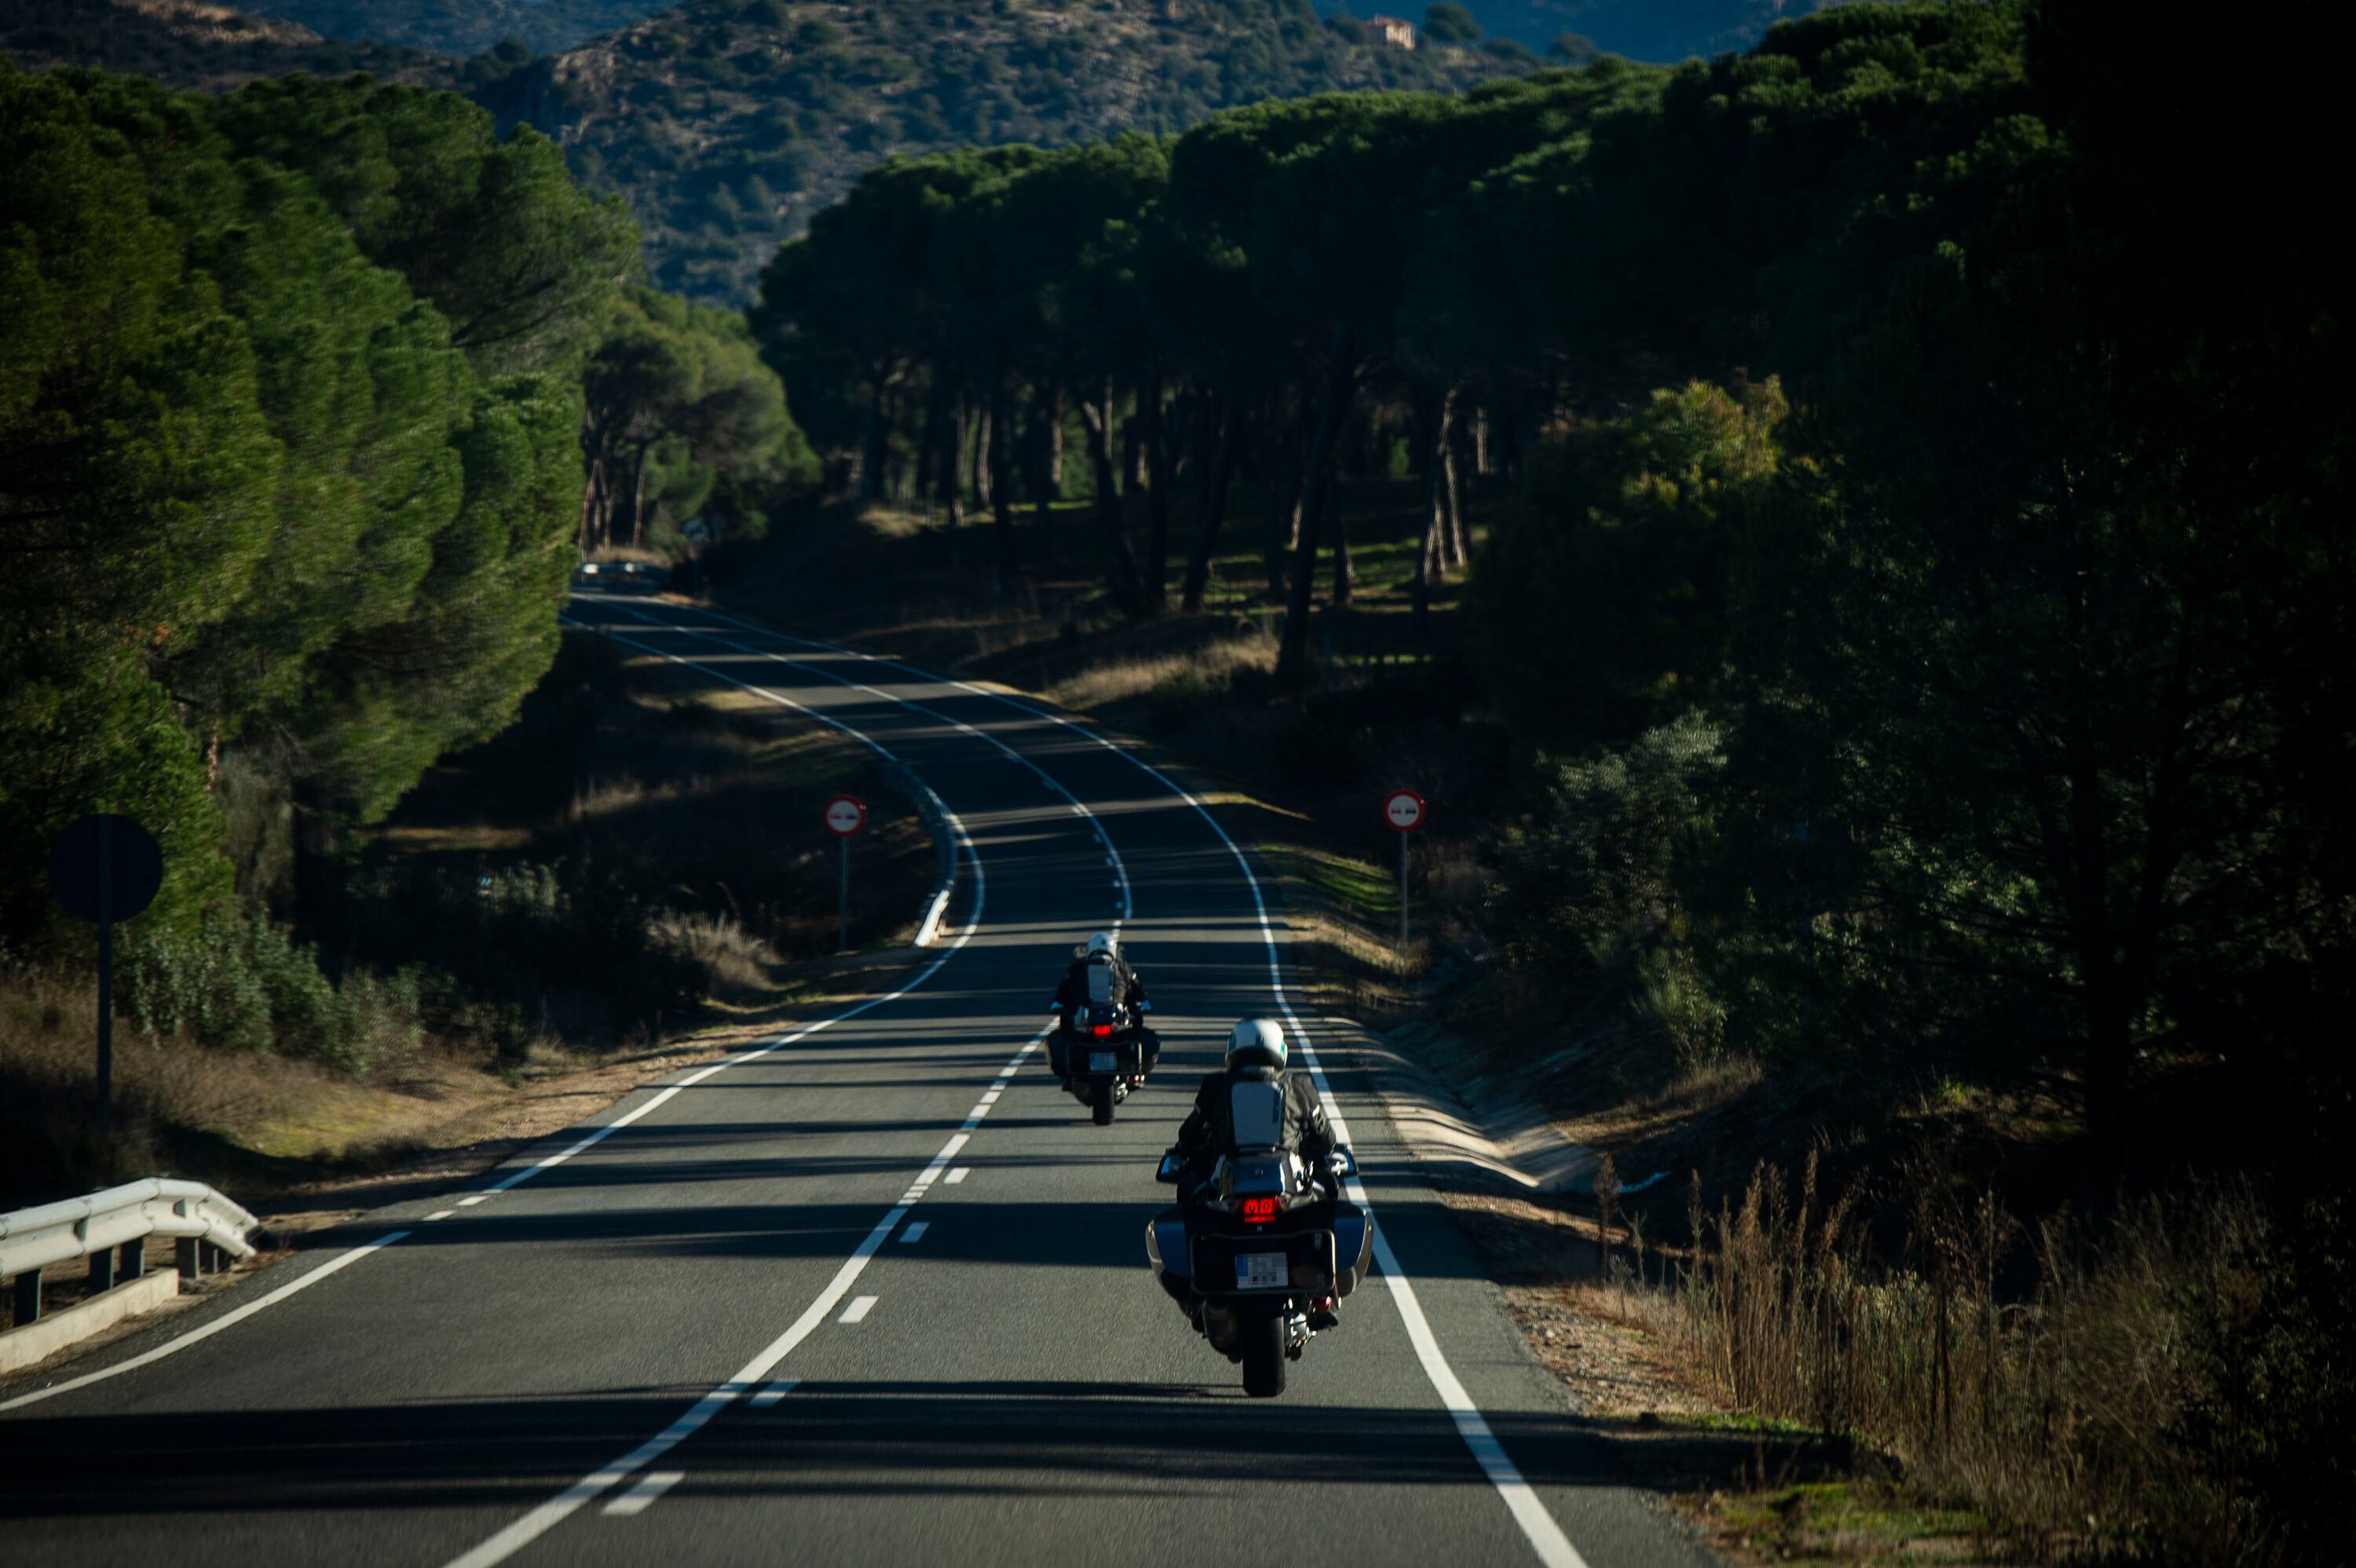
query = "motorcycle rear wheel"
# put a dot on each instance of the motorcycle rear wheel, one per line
(1100, 1100)
(1263, 1338)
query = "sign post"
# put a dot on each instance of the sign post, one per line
(1404, 810)
(845, 816)
(103, 869)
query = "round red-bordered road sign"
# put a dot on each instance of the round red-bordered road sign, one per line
(845, 814)
(1404, 810)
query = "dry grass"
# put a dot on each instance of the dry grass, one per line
(2051, 1379)
(738, 963)
(1207, 667)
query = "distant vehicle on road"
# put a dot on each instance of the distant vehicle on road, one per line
(624, 576)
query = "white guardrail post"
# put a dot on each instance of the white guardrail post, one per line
(937, 822)
(111, 1229)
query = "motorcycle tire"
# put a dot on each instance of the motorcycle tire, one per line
(1100, 1100)
(1263, 1339)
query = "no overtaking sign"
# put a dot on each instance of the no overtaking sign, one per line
(845, 814)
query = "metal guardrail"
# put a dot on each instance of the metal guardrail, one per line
(111, 1227)
(937, 822)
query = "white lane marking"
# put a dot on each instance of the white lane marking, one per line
(1120, 867)
(557, 1509)
(991, 1098)
(959, 1174)
(638, 1498)
(1546, 1537)
(439, 1214)
(915, 1233)
(958, 832)
(859, 1308)
(774, 1393)
(342, 1261)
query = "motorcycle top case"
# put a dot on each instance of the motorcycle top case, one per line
(1222, 1262)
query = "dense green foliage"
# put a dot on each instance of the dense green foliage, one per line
(2013, 613)
(265, 498)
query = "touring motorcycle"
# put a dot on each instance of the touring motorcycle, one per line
(1105, 1052)
(1265, 1245)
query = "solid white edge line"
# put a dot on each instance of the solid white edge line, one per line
(774, 1393)
(963, 840)
(1538, 1524)
(340, 1262)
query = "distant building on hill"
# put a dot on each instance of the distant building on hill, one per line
(1391, 30)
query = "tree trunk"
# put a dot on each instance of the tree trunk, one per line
(981, 469)
(928, 451)
(1127, 590)
(1047, 461)
(1132, 450)
(1219, 472)
(1430, 561)
(951, 461)
(877, 438)
(1451, 495)
(1341, 387)
(1345, 571)
(1001, 489)
(1157, 492)
(1280, 490)
(639, 498)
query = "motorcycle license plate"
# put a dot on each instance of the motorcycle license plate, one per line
(1103, 1061)
(1262, 1271)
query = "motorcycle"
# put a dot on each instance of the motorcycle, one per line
(1263, 1244)
(1103, 1053)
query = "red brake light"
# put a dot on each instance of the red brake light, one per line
(1101, 1028)
(1260, 1211)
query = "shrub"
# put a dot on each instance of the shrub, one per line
(2171, 1390)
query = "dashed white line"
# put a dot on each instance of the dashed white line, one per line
(916, 1232)
(441, 1214)
(523, 1531)
(957, 1176)
(859, 1308)
(1539, 1526)
(470, 1200)
(774, 1393)
(636, 1500)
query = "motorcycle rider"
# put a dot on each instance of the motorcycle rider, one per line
(1257, 1054)
(1099, 974)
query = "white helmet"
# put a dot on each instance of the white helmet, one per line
(1256, 1042)
(1103, 941)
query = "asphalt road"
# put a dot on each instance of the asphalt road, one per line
(875, 1294)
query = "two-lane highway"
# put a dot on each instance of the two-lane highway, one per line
(873, 1293)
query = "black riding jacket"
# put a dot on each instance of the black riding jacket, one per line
(1209, 1129)
(1126, 985)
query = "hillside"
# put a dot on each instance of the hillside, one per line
(1663, 31)
(188, 43)
(462, 26)
(727, 124)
